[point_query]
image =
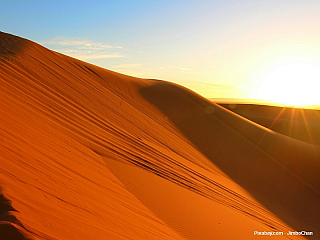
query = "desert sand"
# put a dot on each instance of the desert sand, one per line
(87, 153)
(299, 123)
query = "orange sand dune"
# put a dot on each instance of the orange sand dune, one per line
(88, 153)
(298, 123)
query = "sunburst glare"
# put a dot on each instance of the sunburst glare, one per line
(294, 84)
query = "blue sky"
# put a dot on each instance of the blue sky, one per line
(216, 48)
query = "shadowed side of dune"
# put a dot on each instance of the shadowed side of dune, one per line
(9, 225)
(244, 151)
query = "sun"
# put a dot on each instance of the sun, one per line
(293, 84)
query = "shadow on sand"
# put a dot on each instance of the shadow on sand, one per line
(11, 45)
(8, 231)
(275, 186)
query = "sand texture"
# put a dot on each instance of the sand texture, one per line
(87, 153)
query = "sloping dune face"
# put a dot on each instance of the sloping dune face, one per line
(87, 153)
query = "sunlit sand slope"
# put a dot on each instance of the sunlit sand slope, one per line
(87, 153)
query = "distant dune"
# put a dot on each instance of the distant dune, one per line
(87, 153)
(299, 123)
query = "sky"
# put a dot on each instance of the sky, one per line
(219, 49)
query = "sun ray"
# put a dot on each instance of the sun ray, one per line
(306, 126)
(292, 117)
(277, 117)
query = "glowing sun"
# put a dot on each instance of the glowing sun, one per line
(294, 84)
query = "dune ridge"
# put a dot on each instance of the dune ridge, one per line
(88, 153)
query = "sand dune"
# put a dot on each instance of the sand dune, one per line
(298, 123)
(88, 153)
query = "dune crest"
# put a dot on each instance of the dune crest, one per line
(87, 153)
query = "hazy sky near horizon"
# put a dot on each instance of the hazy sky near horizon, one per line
(220, 49)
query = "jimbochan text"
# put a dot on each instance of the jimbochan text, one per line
(295, 233)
